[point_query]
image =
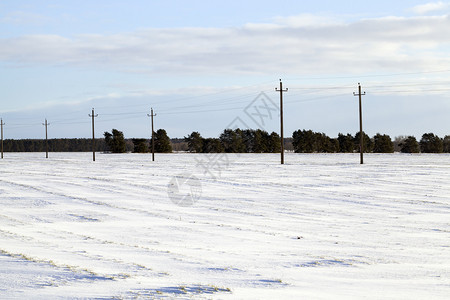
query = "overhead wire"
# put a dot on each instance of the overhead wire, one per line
(210, 102)
(370, 75)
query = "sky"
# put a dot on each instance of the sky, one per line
(209, 65)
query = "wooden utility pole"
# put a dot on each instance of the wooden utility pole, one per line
(46, 138)
(151, 115)
(281, 118)
(361, 137)
(93, 116)
(1, 122)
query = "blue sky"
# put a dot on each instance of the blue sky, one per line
(199, 64)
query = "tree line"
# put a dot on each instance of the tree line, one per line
(54, 145)
(115, 142)
(238, 141)
(235, 141)
(307, 141)
(230, 141)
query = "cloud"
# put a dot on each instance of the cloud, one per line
(307, 20)
(290, 46)
(430, 7)
(24, 18)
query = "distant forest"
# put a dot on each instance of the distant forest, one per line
(239, 141)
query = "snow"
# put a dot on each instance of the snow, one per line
(322, 226)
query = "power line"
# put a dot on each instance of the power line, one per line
(321, 88)
(370, 76)
(71, 123)
(237, 98)
(201, 111)
(123, 114)
(223, 101)
(401, 84)
(228, 90)
(325, 97)
(410, 91)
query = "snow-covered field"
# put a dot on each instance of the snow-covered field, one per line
(319, 227)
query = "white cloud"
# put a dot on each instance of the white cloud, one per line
(307, 20)
(286, 47)
(24, 18)
(430, 7)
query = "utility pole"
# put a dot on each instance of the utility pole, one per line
(46, 138)
(1, 122)
(93, 116)
(153, 134)
(281, 118)
(361, 137)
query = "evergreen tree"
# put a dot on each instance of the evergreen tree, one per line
(329, 145)
(232, 141)
(303, 141)
(195, 142)
(115, 141)
(248, 138)
(446, 143)
(273, 143)
(261, 142)
(256, 141)
(162, 142)
(431, 143)
(368, 144)
(307, 141)
(410, 145)
(212, 145)
(346, 144)
(140, 145)
(108, 141)
(383, 144)
(119, 145)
